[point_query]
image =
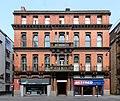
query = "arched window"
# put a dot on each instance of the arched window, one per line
(35, 40)
(47, 41)
(87, 40)
(47, 61)
(76, 40)
(99, 63)
(35, 63)
(88, 61)
(99, 40)
(24, 63)
(23, 39)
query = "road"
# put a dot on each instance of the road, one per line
(60, 98)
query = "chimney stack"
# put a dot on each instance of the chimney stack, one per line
(23, 8)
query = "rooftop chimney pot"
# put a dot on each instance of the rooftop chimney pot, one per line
(23, 8)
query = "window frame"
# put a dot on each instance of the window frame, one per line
(87, 20)
(24, 20)
(47, 41)
(86, 39)
(34, 41)
(35, 19)
(23, 41)
(35, 64)
(23, 64)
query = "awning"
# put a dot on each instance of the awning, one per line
(25, 81)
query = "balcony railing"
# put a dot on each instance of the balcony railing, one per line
(61, 44)
(70, 67)
(28, 69)
(61, 68)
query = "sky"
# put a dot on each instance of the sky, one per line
(8, 6)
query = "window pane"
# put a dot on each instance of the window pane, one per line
(61, 38)
(47, 41)
(24, 67)
(24, 40)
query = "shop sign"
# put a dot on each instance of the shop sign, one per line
(83, 82)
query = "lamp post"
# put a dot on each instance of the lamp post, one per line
(97, 89)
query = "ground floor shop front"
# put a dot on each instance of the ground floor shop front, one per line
(88, 87)
(64, 85)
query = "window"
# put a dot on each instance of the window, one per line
(35, 62)
(87, 20)
(47, 40)
(76, 58)
(99, 20)
(88, 61)
(99, 63)
(24, 63)
(99, 40)
(23, 39)
(35, 40)
(56, 37)
(61, 37)
(47, 20)
(23, 19)
(67, 36)
(7, 65)
(76, 62)
(61, 19)
(35, 20)
(7, 53)
(87, 40)
(7, 77)
(76, 20)
(76, 39)
(47, 61)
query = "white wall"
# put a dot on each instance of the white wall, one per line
(2, 59)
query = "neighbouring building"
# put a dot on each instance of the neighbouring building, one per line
(6, 62)
(115, 59)
(61, 52)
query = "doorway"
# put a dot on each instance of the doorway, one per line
(61, 87)
(87, 90)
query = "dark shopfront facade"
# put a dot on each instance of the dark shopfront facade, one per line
(88, 87)
(35, 86)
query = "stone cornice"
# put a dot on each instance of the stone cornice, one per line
(61, 26)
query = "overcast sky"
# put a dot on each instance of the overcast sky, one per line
(8, 6)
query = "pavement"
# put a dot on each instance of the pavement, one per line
(60, 98)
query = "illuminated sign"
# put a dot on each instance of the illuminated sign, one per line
(83, 82)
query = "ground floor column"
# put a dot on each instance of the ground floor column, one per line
(82, 91)
(71, 87)
(22, 90)
(53, 87)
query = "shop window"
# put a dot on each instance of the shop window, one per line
(35, 40)
(77, 90)
(99, 40)
(35, 62)
(98, 90)
(24, 63)
(76, 39)
(87, 40)
(88, 61)
(87, 90)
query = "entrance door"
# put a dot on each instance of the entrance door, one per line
(87, 90)
(61, 87)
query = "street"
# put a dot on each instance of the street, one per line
(60, 98)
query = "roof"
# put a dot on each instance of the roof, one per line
(5, 35)
(67, 11)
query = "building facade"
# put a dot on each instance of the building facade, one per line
(61, 52)
(115, 59)
(6, 62)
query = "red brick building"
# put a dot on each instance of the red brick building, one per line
(61, 52)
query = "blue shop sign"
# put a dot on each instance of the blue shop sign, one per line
(89, 82)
